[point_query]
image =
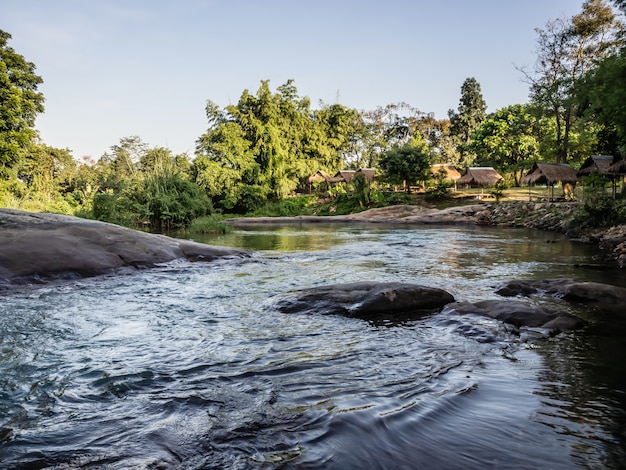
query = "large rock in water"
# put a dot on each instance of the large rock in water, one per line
(44, 246)
(368, 300)
(520, 314)
(566, 289)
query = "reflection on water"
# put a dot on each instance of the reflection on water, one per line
(190, 366)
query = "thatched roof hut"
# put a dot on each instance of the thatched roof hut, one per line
(597, 163)
(550, 174)
(318, 176)
(369, 173)
(346, 176)
(342, 176)
(618, 167)
(479, 176)
(451, 173)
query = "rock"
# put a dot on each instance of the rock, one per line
(520, 314)
(567, 289)
(38, 246)
(369, 300)
(401, 214)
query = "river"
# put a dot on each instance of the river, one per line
(190, 366)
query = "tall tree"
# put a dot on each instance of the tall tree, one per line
(567, 49)
(507, 140)
(407, 164)
(471, 113)
(20, 102)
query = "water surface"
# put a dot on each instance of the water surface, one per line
(189, 365)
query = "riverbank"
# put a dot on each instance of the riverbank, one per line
(550, 216)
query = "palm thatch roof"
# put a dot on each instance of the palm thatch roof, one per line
(597, 163)
(550, 174)
(451, 173)
(479, 176)
(346, 176)
(369, 173)
(319, 175)
(342, 176)
(618, 167)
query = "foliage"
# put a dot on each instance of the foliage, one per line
(471, 113)
(507, 140)
(441, 186)
(213, 223)
(498, 189)
(407, 164)
(267, 145)
(567, 49)
(20, 102)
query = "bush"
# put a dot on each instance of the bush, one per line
(210, 224)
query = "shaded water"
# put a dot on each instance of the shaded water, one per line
(190, 366)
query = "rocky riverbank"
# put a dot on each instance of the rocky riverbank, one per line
(555, 217)
(35, 247)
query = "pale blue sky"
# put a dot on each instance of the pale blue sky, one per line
(118, 68)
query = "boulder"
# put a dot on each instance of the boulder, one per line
(567, 289)
(38, 246)
(520, 314)
(368, 300)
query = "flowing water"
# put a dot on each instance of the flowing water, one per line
(189, 365)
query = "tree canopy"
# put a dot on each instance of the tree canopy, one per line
(20, 103)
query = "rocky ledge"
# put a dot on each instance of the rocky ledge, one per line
(374, 301)
(38, 246)
(403, 214)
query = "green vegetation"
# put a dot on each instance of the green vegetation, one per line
(256, 156)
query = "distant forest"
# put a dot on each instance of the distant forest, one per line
(266, 147)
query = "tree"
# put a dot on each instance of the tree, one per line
(471, 113)
(20, 102)
(567, 49)
(267, 144)
(507, 140)
(407, 164)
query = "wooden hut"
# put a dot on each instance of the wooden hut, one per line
(369, 173)
(618, 170)
(451, 173)
(343, 176)
(551, 174)
(597, 163)
(479, 176)
(317, 177)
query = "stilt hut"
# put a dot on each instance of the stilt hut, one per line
(551, 174)
(599, 164)
(618, 170)
(479, 177)
(450, 172)
(317, 177)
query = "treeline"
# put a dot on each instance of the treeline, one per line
(264, 147)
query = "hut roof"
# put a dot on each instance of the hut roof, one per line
(550, 173)
(452, 174)
(319, 175)
(618, 168)
(481, 176)
(599, 163)
(343, 176)
(368, 172)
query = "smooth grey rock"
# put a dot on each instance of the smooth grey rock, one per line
(520, 314)
(42, 246)
(366, 299)
(567, 289)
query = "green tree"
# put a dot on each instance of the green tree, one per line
(507, 140)
(407, 164)
(567, 49)
(267, 144)
(471, 113)
(20, 103)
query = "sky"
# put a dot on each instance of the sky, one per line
(120, 68)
